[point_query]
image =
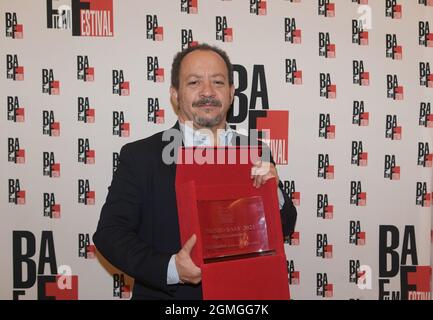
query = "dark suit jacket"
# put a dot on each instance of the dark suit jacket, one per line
(138, 230)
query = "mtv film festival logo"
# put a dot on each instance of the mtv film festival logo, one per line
(189, 6)
(40, 272)
(326, 128)
(326, 8)
(86, 196)
(258, 7)
(155, 114)
(50, 126)
(15, 153)
(154, 72)
(120, 86)
(325, 209)
(327, 49)
(49, 84)
(360, 117)
(85, 113)
(51, 208)
(154, 31)
(293, 74)
(84, 71)
(425, 115)
(14, 70)
(294, 275)
(391, 170)
(292, 34)
(15, 112)
(120, 127)
(13, 29)
(224, 33)
(16, 195)
(323, 248)
(399, 266)
(289, 188)
(187, 39)
(86, 18)
(86, 249)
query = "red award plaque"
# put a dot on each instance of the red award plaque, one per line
(239, 244)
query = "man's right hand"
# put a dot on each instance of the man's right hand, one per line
(186, 268)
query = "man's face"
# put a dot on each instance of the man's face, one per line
(204, 95)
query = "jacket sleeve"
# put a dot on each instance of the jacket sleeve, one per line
(288, 214)
(117, 237)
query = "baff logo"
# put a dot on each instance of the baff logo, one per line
(86, 249)
(328, 89)
(323, 248)
(393, 89)
(425, 37)
(51, 168)
(360, 1)
(425, 158)
(223, 32)
(120, 86)
(359, 116)
(155, 113)
(16, 195)
(154, 31)
(187, 39)
(392, 130)
(359, 156)
(326, 48)
(325, 210)
(51, 208)
(326, 8)
(85, 154)
(85, 113)
(359, 36)
(324, 289)
(49, 85)
(154, 72)
(393, 9)
(86, 18)
(354, 271)
(360, 76)
(273, 129)
(291, 33)
(423, 197)
(84, 71)
(120, 127)
(290, 189)
(258, 7)
(56, 284)
(398, 258)
(120, 288)
(13, 29)
(13, 69)
(50, 126)
(189, 6)
(16, 113)
(425, 76)
(324, 169)
(85, 195)
(294, 239)
(391, 170)
(393, 49)
(15, 153)
(426, 2)
(326, 129)
(357, 196)
(356, 235)
(293, 75)
(294, 275)
(425, 116)
(115, 161)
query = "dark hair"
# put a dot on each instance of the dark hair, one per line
(177, 61)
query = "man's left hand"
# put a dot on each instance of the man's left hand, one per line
(263, 171)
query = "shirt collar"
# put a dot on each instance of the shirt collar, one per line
(195, 138)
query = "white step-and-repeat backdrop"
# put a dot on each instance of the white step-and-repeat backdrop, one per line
(345, 86)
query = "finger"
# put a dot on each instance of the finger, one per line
(189, 244)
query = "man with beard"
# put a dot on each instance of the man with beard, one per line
(138, 230)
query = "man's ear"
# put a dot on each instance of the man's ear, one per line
(173, 95)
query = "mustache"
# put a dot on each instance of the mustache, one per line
(207, 101)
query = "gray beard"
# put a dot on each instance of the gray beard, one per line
(207, 123)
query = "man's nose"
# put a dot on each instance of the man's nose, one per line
(207, 89)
